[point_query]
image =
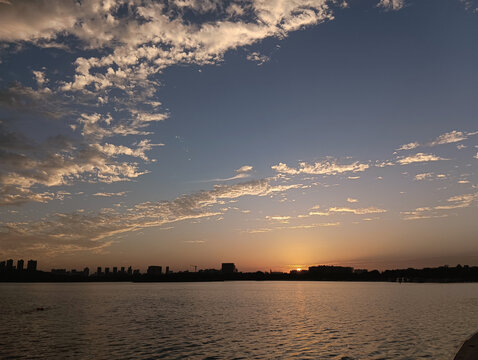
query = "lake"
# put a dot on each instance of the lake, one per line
(236, 320)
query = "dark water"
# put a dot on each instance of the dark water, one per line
(247, 320)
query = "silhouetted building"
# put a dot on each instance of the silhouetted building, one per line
(136, 272)
(329, 269)
(58, 271)
(155, 270)
(86, 271)
(228, 268)
(98, 271)
(167, 270)
(2, 265)
(115, 270)
(9, 264)
(32, 265)
(122, 270)
(20, 265)
(130, 271)
(107, 270)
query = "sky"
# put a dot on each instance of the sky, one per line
(275, 134)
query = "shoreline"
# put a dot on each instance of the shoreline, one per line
(469, 349)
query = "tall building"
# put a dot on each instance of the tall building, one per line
(98, 271)
(122, 270)
(167, 270)
(130, 270)
(155, 270)
(115, 270)
(9, 264)
(107, 270)
(2, 265)
(20, 265)
(228, 268)
(86, 271)
(32, 265)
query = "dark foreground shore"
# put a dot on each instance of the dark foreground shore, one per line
(469, 349)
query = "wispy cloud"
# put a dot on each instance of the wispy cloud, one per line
(430, 212)
(90, 231)
(241, 173)
(359, 211)
(325, 167)
(419, 158)
(103, 194)
(449, 138)
(446, 138)
(409, 146)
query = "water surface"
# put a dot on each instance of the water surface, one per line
(241, 320)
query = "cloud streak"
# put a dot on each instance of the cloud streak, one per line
(90, 231)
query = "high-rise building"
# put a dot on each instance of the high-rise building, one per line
(98, 271)
(20, 265)
(86, 271)
(155, 270)
(9, 264)
(130, 270)
(122, 270)
(32, 265)
(167, 270)
(107, 270)
(115, 270)
(228, 268)
(2, 265)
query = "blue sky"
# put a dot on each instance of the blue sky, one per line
(274, 134)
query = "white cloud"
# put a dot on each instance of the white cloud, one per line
(352, 200)
(409, 146)
(103, 194)
(454, 202)
(278, 218)
(391, 4)
(418, 158)
(360, 211)
(423, 176)
(258, 58)
(244, 169)
(90, 231)
(116, 150)
(40, 78)
(325, 167)
(448, 138)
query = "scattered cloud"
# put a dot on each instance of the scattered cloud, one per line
(352, 200)
(419, 158)
(241, 173)
(103, 194)
(325, 167)
(448, 138)
(391, 4)
(90, 231)
(454, 202)
(423, 176)
(244, 169)
(360, 211)
(258, 58)
(409, 146)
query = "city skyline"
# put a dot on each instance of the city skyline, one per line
(272, 134)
